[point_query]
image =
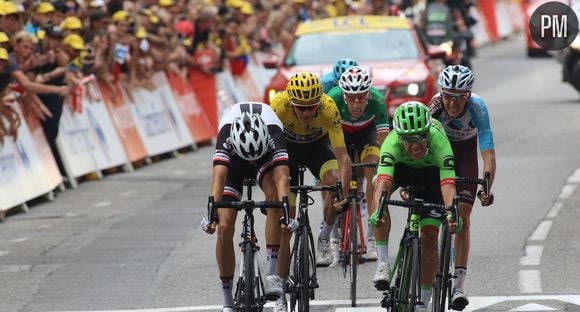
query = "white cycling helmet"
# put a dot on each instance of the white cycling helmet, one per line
(249, 136)
(456, 77)
(356, 79)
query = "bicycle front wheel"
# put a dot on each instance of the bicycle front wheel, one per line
(409, 290)
(304, 290)
(442, 284)
(249, 295)
(353, 251)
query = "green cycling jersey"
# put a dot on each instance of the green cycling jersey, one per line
(375, 112)
(439, 155)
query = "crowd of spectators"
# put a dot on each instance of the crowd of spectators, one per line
(47, 48)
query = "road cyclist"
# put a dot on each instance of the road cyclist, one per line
(365, 125)
(330, 80)
(465, 118)
(312, 126)
(416, 153)
(250, 144)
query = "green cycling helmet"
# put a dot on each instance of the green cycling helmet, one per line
(412, 118)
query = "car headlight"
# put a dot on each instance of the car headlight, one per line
(413, 89)
(447, 47)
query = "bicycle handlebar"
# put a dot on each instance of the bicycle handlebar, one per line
(248, 204)
(363, 165)
(483, 182)
(418, 204)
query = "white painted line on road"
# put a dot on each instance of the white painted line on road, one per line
(555, 209)
(20, 240)
(14, 268)
(4, 252)
(533, 255)
(532, 307)
(128, 193)
(530, 281)
(102, 204)
(541, 232)
(567, 190)
(474, 303)
(575, 177)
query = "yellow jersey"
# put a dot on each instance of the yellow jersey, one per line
(326, 120)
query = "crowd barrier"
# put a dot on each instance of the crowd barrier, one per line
(106, 127)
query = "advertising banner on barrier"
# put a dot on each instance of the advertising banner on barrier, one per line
(191, 110)
(204, 86)
(27, 168)
(123, 120)
(87, 139)
(160, 128)
(109, 152)
(169, 102)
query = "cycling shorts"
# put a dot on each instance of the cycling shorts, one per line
(317, 156)
(428, 188)
(364, 142)
(466, 166)
(239, 169)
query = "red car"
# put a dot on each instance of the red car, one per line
(389, 46)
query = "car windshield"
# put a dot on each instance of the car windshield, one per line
(376, 46)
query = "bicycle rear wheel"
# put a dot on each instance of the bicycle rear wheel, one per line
(442, 285)
(409, 289)
(353, 252)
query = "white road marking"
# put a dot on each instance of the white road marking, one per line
(567, 190)
(102, 204)
(530, 281)
(4, 252)
(179, 172)
(19, 240)
(533, 307)
(575, 177)
(474, 303)
(555, 209)
(541, 232)
(128, 193)
(533, 255)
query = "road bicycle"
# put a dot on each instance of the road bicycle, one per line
(352, 239)
(249, 295)
(443, 285)
(403, 293)
(302, 280)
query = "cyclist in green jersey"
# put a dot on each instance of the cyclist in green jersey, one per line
(417, 153)
(365, 125)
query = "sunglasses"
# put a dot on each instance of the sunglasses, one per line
(361, 97)
(304, 108)
(417, 138)
(456, 96)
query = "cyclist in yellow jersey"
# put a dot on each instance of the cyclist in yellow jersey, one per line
(313, 129)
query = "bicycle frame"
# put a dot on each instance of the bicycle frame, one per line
(249, 294)
(404, 291)
(302, 281)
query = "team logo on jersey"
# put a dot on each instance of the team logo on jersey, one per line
(387, 159)
(449, 163)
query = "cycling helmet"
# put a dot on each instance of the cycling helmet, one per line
(305, 87)
(341, 66)
(355, 80)
(412, 118)
(249, 136)
(456, 77)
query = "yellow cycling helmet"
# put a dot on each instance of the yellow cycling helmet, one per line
(304, 87)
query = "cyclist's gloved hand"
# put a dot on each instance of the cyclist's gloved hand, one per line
(455, 226)
(375, 220)
(292, 225)
(206, 226)
(339, 205)
(405, 194)
(484, 198)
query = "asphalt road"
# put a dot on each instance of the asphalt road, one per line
(132, 242)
